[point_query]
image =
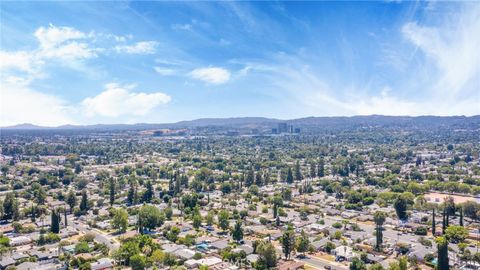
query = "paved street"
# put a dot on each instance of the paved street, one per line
(100, 237)
(320, 263)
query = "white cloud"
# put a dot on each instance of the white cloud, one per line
(165, 71)
(117, 100)
(19, 60)
(142, 47)
(20, 104)
(54, 36)
(212, 75)
(452, 49)
(70, 51)
(63, 43)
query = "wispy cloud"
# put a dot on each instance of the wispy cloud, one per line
(452, 49)
(184, 27)
(142, 47)
(211, 75)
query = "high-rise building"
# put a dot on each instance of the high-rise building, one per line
(282, 127)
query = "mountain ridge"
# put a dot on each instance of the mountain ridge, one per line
(243, 121)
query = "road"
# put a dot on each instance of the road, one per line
(100, 237)
(320, 263)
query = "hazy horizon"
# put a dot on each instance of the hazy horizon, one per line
(234, 117)
(85, 63)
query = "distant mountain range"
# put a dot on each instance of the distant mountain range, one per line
(261, 122)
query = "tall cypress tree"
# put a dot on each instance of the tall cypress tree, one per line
(112, 191)
(237, 232)
(442, 249)
(298, 171)
(433, 222)
(288, 242)
(461, 216)
(289, 176)
(33, 213)
(55, 222)
(313, 173)
(379, 218)
(84, 201)
(148, 194)
(131, 194)
(250, 177)
(444, 222)
(65, 216)
(178, 184)
(258, 179)
(321, 168)
(266, 179)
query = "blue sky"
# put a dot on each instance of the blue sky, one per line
(132, 62)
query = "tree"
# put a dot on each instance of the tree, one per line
(450, 209)
(120, 220)
(39, 193)
(223, 217)
(379, 218)
(357, 264)
(237, 231)
(10, 207)
(259, 179)
(126, 251)
(82, 247)
(112, 191)
(461, 216)
(148, 194)
(298, 171)
(65, 216)
(178, 183)
(266, 179)
(444, 221)
(442, 258)
(132, 194)
(376, 266)
(321, 168)
(267, 256)
(288, 242)
(71, 200)
(209, 218)
(401, 264)
(456, 234)
(287, 194)
(434, 228)
(313, 173)
(400, 206)
(277, 202)
(250, 177)
(150, 217)
(4, 170)
(55, 222)
(289, 176)
(33, 213)
(226, 188)
(138, 262)
(84, 202)
(302, 242)
(197, 221)
(471, 209)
